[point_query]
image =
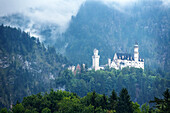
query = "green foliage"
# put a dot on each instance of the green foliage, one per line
(26, 66)
(104, 102)
(163, 105)
(145, 108)
(142, 85)
(4, 110)
(66, 102)
(18, 108)
(136, 108)
(124, 104)
(27, 111)
(46, 110)
(113, 101)
(68, 105)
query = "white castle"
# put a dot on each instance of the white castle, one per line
(120, 60)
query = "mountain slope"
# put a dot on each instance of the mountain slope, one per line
(111, 30)
(26, 66)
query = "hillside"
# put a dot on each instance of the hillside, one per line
(113, 30)
(110, 28)
(143, 86)
(26, 65)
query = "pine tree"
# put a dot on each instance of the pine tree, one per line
(163, 105)
(104, 102)
(124, 103)
(93, 99)
(113, 100)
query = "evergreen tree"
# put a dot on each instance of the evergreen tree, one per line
(93, 99)
(18, 108)
(145, 108)
(104, 102)
(46, 110)
(163, 105)
(4, 110)
(124, 103)
(113, 100)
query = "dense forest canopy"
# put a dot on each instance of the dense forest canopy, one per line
(26, 65)
(142, 85)
(66, 102)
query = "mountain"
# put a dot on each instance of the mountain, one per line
(26, 66)
(112, 29)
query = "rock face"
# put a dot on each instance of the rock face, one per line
(26, 66)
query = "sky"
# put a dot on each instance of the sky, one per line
(53, 11)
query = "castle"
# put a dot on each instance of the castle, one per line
(119, 61)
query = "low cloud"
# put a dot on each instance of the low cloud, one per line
(166, 3)
(53, 12)
(45, 11)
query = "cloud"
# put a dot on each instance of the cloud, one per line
(119, 2)
(166, 3)
(53, 13)
(45, 11)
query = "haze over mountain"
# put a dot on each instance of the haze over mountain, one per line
(29, 65)
(108, 25)
(111, 30)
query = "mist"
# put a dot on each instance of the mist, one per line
(56, 14)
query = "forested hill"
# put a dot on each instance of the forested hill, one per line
(109, 28)
(26, 66)
(113, 29)
(142, 85)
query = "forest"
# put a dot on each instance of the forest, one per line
(142, 85)
(26, 65)
(66, 102)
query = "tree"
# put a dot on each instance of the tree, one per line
(46, 110)
(136, 107)
(113, 100)
(145, 108)
(4, 110)
(93, 99)
(18, 108)
(124, 103)
(70, 105)
(27, 111)
(104, 102)
(88, 109)
(163, 105)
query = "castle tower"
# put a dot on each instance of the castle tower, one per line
(136, 52)
(109, 62)
(95, 59)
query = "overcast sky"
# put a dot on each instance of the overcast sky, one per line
(52, 11)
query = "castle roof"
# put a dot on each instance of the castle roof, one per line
(124, 56)
(127, 56)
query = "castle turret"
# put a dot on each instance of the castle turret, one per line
(109, 62)
(95, 58)
(136, 52)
